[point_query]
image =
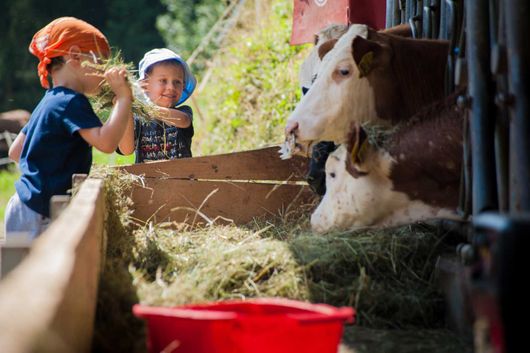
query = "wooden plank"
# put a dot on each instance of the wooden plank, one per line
(48, 302)
(177, 200)
(261, 164)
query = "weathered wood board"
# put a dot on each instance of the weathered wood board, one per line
(47, 303)
(178, 200)
(235, 187)
(261, 164)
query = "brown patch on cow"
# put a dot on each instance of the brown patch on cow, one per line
(430, 174)
(406, 74)
(326, 47)
(402, 30)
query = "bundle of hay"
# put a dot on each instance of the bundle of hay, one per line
(103, 101)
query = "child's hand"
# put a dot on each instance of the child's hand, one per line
(117, 79)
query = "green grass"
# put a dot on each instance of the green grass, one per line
(253, 84)
(7, 188)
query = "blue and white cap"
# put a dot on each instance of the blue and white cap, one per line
(158, 55)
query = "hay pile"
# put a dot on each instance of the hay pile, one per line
(103, 101)
(386, 275)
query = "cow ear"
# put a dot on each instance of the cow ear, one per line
(364, 53)
(326, 47)
(315, 39)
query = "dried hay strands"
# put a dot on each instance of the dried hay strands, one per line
(103, 101)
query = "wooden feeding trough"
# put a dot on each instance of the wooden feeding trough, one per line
(47, 303)
(234, 187)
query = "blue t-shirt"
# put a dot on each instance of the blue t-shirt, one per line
(155, 140)
(53, 149)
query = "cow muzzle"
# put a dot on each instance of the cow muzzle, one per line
(292, 146)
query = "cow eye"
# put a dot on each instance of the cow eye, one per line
(332, 175)
(344, 72)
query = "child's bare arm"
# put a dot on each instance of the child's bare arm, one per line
(16, 147)
(173, 117)
(126, 144)
(107, 137)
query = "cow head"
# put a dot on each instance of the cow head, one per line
(357, 184)
(369, 76)
(341, 92)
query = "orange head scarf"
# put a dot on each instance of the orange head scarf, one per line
(56, 38)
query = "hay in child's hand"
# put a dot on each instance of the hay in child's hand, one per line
(102, 102)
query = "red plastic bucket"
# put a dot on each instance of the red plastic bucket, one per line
(251, 326)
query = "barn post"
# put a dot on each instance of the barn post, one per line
(499, 68)
(389, 13)
(517, 30)
(482, 119)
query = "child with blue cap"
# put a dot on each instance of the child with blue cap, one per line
(167, 81)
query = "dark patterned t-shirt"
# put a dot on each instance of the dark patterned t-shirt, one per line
(156, 140)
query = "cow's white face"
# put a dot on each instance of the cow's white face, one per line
(337, 97)
(353, 202)
(368, 200)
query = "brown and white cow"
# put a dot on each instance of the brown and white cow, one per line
(369, 76)
(413, 176)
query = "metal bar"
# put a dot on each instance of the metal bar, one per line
(442, 32)
(502, 125)
(517, 30)
(435, 19)
(418, 19)
(427, 20)
(449, 30)
(396, 14)
(464, 203)
(408, 12)
(389, 13)
(482, 123)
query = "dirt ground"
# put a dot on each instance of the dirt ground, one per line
(364, 340)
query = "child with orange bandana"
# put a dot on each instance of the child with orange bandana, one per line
(57, 142)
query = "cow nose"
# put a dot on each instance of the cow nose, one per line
(291, 128)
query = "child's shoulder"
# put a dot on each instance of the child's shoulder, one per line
(62, 95)
(185, 109)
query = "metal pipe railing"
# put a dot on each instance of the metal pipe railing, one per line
(517, 30)
(482, 120)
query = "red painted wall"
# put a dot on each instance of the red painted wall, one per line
(310, 16)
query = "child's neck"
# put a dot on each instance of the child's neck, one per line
(68, 79)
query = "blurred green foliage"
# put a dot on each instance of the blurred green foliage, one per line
(7, 188)
(128, 24)
(186, 22)
(253, 84)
